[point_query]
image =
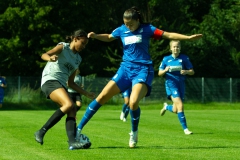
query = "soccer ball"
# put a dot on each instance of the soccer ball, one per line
(84, 138)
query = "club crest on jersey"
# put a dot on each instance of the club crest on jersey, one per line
(133, 39)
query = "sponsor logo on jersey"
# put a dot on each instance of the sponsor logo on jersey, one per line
(133, 39)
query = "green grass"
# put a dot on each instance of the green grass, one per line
(216, 136)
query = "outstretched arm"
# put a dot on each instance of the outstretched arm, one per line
(177, 36)
(101, 37)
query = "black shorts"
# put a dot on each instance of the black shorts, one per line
(51, 85)
(75, 96)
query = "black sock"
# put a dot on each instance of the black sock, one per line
(56, 117)
(71, 129)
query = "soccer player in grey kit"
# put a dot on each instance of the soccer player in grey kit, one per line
(58, 74)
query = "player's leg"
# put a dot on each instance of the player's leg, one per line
(1, 100)
(167, 107)
(78, 101)
(59, 96)
(178, 108)
(124, 106)
(138, 92)
(71, 131)
(108, 92)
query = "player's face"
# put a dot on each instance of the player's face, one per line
(131, 24)
(175, 48)
(80, 43)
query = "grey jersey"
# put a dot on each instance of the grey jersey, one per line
(78, 81)
(60, 70)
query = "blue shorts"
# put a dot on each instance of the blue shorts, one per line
(175, 89)
(130, 74)
(127, 93)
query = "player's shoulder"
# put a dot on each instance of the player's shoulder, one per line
(183, 56)
(167, 57)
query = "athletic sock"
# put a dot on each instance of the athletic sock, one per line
(126, 112)
(56, 117)
(135, 117)
(182, 120)
(124, 107)
(71, 129)
(90, 111)
(169, 108)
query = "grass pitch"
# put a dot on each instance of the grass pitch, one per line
(216, 136)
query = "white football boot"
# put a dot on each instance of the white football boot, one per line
(187, 132)
(133, 139)
(163, 110)
(122, 116)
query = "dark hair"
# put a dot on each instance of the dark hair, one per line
(133, 13)
(77, 33)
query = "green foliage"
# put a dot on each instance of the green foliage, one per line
(29, 28)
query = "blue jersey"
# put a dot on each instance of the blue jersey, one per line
(136, 43)
(177, 64)
(2, 81)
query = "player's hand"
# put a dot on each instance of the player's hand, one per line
(184, 72)
(91, 95)
(91, 35)
(53, 58)
(167, 68)
(195, 36)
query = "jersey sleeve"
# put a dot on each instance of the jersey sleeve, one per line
(163, 64)
(116, 33)
(157, 34)
(187, 63)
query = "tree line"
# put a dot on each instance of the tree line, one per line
(29, 28)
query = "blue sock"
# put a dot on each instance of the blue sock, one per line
(90, 111)
(182, 120)
(169, 108)
(135, 117)
(124, 107)
(126, 112)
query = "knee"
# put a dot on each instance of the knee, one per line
(68, 106)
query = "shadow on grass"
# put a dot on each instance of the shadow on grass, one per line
(46, 105)
(162, 147)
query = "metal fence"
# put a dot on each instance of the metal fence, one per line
(197, 89)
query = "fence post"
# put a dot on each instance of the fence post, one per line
(19, 88)
(230, 85)
(202, 89)
(83, 82)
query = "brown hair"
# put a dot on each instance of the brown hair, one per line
(76, 34)
(133, 13)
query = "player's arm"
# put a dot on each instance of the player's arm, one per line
(4, 84)
(187, 72)
(51, 55)
(101, 37)
(162, 72)
(177, 36)
(77, 88)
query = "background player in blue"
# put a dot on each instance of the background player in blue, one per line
(125, 108)
(136, 69)
(176, 66)
(3, 85)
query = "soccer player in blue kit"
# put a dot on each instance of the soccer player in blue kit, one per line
(176, 66)
(136, 69)
(3, 85)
